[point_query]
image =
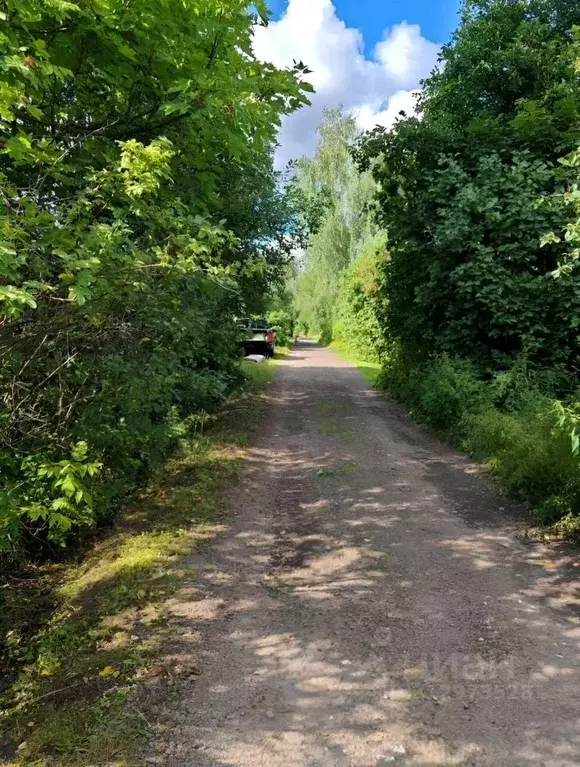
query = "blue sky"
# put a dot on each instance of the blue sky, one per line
(437, 18)
(369, 56)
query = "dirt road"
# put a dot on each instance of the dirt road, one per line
(370, 603)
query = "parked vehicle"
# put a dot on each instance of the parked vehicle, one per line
(257, 337)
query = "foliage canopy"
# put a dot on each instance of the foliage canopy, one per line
(460, 187)
(334, 198)
(137, 206)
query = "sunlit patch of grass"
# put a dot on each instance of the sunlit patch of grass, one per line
(370, 370)
(328, 426)
(74, 699)
(567, 528)
(329, 423)
(259, 373)
(128, 569)
(340, 471)
(106, 734)
(282, 352)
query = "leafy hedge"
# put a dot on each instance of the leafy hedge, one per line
(138, 213)
(460, 191)
(358, 302)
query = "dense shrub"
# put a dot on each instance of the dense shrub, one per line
(357, 310)
(528, 455)
(139, 213)
(458, 191)
(509, 422)
(439, 393)
(282, 322)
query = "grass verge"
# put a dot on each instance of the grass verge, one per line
(81, 639)
(370, 370)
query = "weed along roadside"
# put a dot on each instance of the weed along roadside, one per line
(82, 638)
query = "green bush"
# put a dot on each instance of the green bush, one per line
(459, 187)
(440, 392)
(528, 455)
(357, 311)
(398, 376)
(125, 252)
(509, 422)
(449, 390)
(134, 400)
(282, 322)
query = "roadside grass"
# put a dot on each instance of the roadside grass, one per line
(329, 423)
(76, 674)
(370, 370)
(281, 352)
(344, 470)
(567, 529)
(507, 423)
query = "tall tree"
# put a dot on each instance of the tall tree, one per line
(334, 198)
(136, 139)
(459, 187)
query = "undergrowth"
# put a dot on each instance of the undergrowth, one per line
(509, 421)
(81, 638)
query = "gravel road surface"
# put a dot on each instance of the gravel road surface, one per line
(372, 601)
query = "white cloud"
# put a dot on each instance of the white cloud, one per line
(375, 90)
(406, 55)
(369, 115)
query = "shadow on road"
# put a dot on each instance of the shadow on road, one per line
(371, 603)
